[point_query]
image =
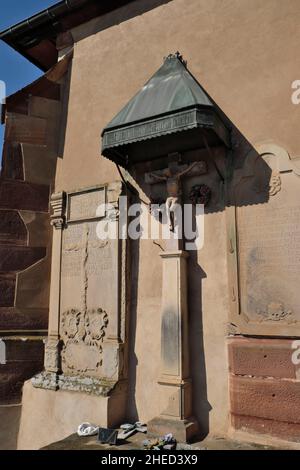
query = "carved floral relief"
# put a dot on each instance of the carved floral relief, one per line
(82, 335)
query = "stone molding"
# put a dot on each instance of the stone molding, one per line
(57, 203)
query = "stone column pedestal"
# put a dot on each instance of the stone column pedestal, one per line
(53, 344)
(176, 417)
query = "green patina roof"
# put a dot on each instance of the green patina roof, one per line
(170, 89)
(171, 113)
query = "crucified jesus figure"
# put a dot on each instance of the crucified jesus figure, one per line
(172, 176)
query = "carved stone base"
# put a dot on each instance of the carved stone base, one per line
(47, 380)
(91, 385)
(57, 414)
(52, 360)
(182, 429)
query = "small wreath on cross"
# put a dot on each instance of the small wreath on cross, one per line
(200, 194)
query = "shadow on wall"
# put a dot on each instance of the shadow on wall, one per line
(237, 177)
(201, 405)
(9, 434)
(132, 410)
(120, 15)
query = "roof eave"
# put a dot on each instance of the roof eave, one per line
(46, 25)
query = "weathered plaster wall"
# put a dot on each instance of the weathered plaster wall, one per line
(244, 54)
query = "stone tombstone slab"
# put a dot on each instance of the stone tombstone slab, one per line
(264, 245)
(86, 353)
(90, 286)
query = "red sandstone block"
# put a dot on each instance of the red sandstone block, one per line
(18, 258)
(43, 108)
(279, 429)
(24, 350)
(276, 399)
(45, 88)
(17, 103)
(23, 360)
(261, 357)
(28, 319)
(24, 196)
(12, 161)
(12, 228)
(7, 290)
(12, 378)
(26, 129)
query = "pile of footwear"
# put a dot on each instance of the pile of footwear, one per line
(166, 442)
(129, 429)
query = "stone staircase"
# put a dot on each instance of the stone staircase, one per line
(32, 118)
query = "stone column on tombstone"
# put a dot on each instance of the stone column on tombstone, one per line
(52, 349)
(176, 416)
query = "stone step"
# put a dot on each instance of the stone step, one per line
(12, 228)
(23, 359)
(12, 161)
(25, 129)
(23, 196)
(7, 290)
(13, 319)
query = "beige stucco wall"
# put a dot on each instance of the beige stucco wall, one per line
(59, 415)
(244, 53)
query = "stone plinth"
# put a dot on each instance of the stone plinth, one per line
(57, 414)
(176, 415)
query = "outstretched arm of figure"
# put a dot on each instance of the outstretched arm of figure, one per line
(158, 177)
(183, 172)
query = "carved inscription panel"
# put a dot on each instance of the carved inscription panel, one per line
(86, 204)
(89, 287)
(89, 268)
(71, 251)
(268, 244)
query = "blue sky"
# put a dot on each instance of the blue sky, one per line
(15, 70)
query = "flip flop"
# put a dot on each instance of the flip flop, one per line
(87, 429)
(129, 429)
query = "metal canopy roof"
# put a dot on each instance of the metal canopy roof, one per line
(171, 101)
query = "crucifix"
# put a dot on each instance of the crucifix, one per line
(174, 364)
(172, 177)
